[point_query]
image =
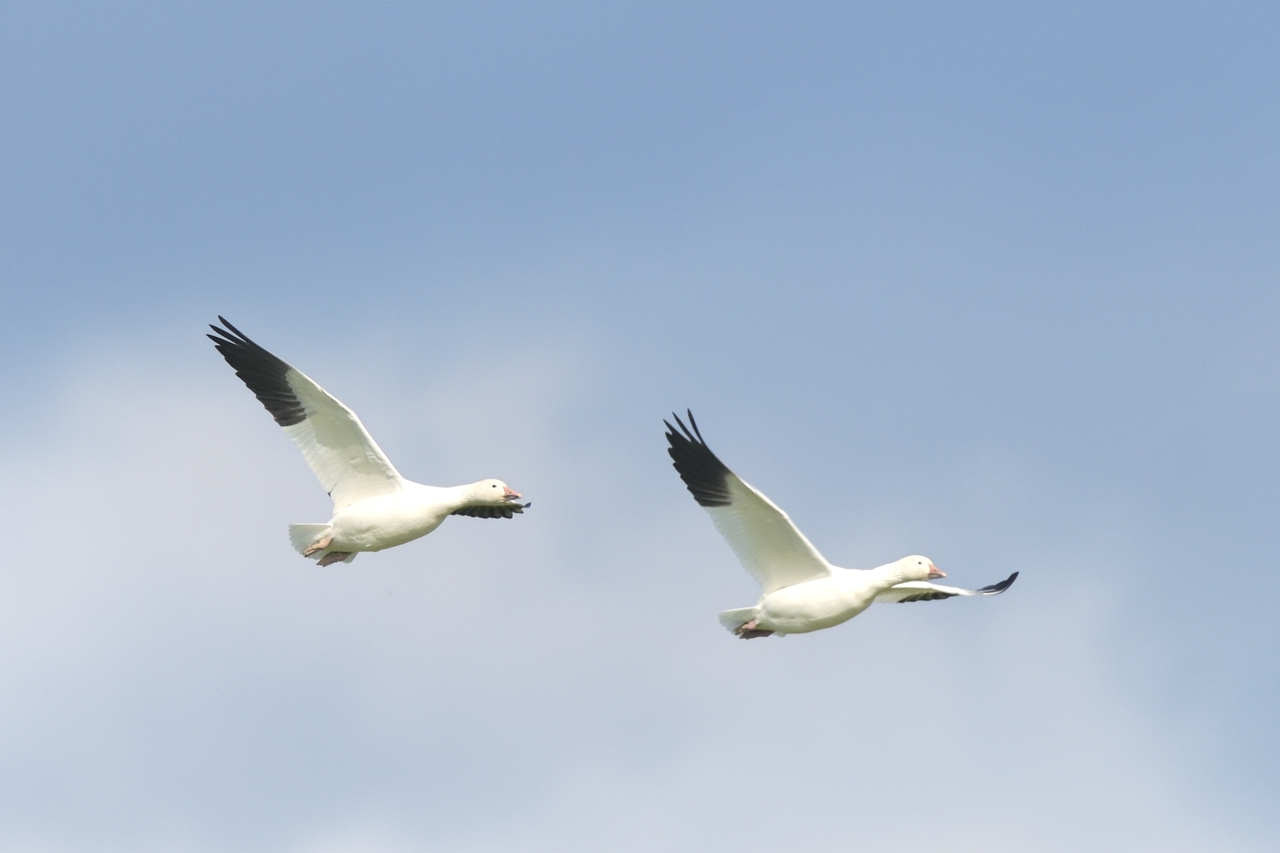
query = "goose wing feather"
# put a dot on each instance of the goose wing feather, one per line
(767, 543)
(925, 591)
(345, 458)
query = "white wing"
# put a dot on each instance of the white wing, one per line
(345, 458)
(767, 543)
(925, 591)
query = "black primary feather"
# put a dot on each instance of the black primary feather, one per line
(704, 474)
(997, 588)
(934, 595)
(931, 595)
(504, 511)
(263, 372)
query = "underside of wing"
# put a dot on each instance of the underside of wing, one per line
(925, 591)
(505, 511)
(762, 536)
(344, 457)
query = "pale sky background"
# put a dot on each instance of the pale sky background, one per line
(997, 285)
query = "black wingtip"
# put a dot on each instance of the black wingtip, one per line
(705, 475)
(693, 423)
(997, 588)
(490, 511)
(926, 596)
(264, 373)
(230, 332)
(694, 436)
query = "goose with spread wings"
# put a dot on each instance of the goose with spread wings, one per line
(801, 591)
(373, 506)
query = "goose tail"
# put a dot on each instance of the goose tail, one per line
(732, 620)
(303, 536)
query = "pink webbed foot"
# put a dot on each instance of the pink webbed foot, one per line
(749, 631)
(319, 545)
(333, 557)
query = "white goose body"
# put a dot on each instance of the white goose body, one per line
(822, 602)
(801, 591)
(389, 520)
(373, 506)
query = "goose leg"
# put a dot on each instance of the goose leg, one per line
(319, 545)
(749, 631)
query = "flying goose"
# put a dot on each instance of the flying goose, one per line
(373, 506)
(801, 591)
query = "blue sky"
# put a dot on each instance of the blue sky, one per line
(996, 285)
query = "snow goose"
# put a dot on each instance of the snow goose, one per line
(801, 591)
(373, 506)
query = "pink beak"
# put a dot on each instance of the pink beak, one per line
(935, 572)
(507, 494)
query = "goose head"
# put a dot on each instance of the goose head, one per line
(494, 493)
(917, 568)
